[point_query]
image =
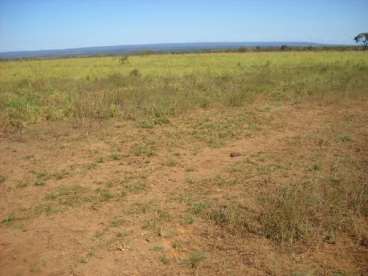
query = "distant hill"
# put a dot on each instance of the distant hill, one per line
(132, 49)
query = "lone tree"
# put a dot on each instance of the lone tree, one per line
(362, 38)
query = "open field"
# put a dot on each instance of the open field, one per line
(196, 164)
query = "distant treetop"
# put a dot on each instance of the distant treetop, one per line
(363, 39)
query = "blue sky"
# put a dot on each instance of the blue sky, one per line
(58, 24)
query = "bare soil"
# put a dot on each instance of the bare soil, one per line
(115, 199)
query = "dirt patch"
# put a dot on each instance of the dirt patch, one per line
(122, 200)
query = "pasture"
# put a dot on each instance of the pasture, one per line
(249, 163)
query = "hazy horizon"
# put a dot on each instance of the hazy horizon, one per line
(255, 43)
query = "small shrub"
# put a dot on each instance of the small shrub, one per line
(144, 149)
(135, 73)
(195, 258)
(198, 208)
(164, 260)
(115, 156)
(123, 60)
(188, 219)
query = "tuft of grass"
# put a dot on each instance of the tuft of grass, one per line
(41, 178)
(157, 248)
(144, 149)
(235, 218)
(9, 219)
(140, 208)
(188, 219)
(198, 208)
(156, 221)
(123, 60)
(313, 210)
(48, 208)
(222, 181)
(287, 216)
(171, 162)
(165, 260)
(177, 245)
(100, 160)
(104, 195)
(21, 184)
(135, 73)
(71, 196)
(116, 222)
(194, 259)
(135, 186)
(115, 156)
(216, 131)
(344, 138)
(40, 182)
(60, 175)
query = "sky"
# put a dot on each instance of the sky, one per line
(60, 24)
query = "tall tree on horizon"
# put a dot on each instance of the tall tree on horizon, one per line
(362, 38)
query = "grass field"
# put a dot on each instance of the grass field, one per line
(153, 88)
(194, 164)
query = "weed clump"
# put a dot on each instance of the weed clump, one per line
(123, 60)
(135, 73)
(233, 217)
(288, 214)
(194, 259)
(302, 212)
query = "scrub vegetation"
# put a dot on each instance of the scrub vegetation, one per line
(249, 163)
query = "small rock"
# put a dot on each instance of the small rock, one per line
(235, 154)
(364, 242)
(120, 248)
